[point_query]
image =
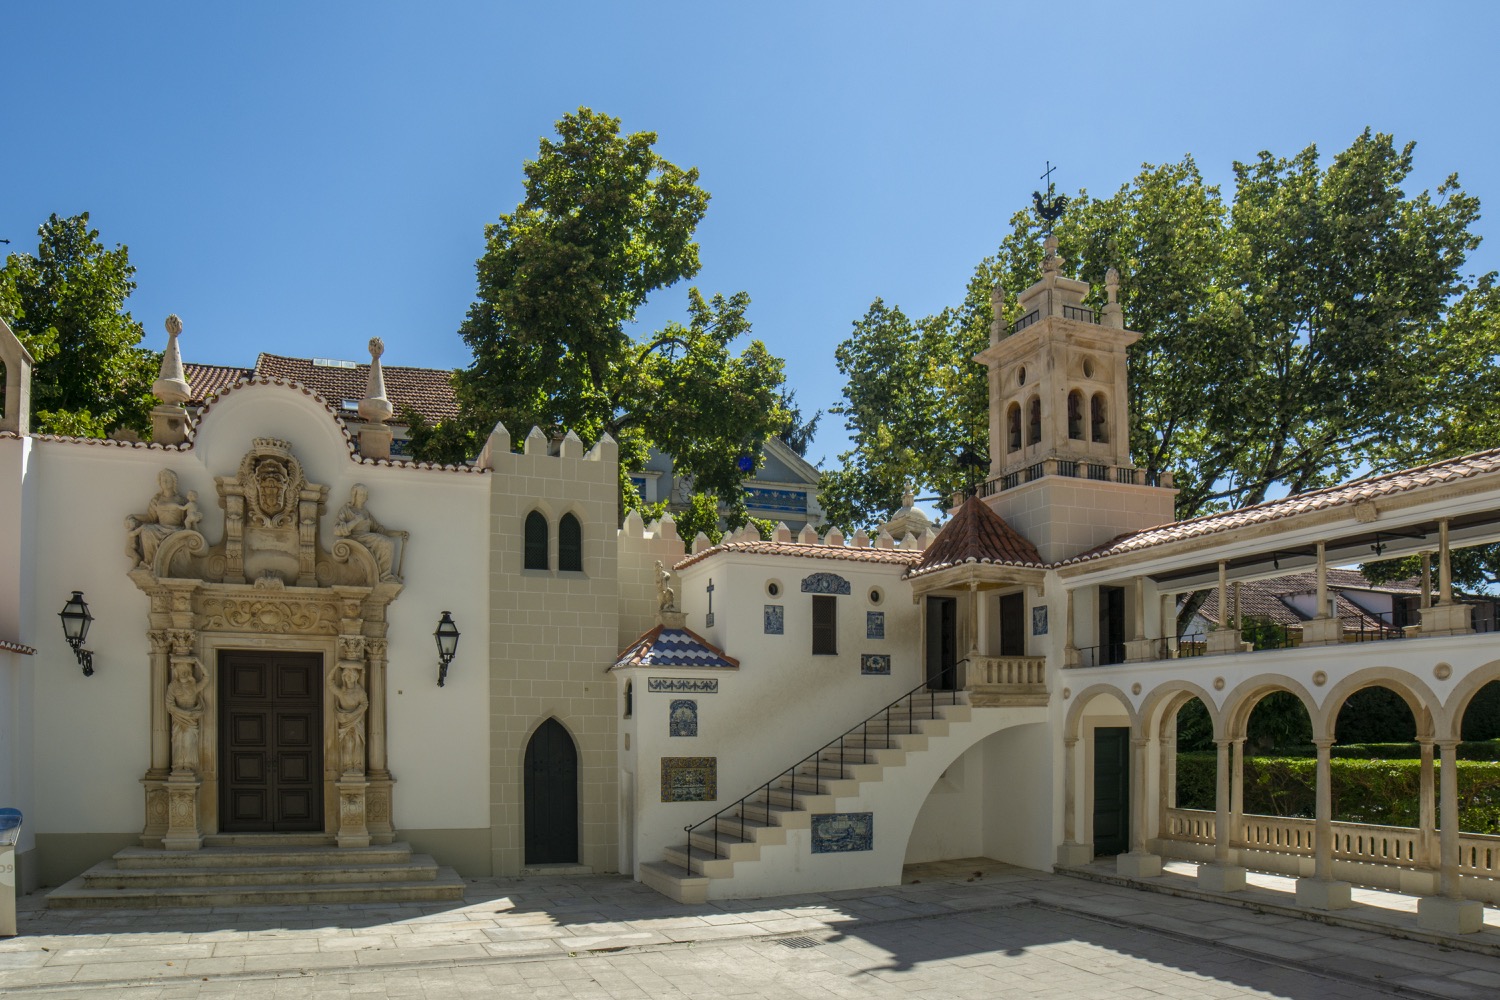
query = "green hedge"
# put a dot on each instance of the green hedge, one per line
(1383, 791)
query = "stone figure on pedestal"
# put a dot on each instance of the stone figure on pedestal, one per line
(168, 512)
(350, 706)
(185, 709)
(356, 523)
(666, 597)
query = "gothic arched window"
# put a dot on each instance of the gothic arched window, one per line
(570, 544)
(536, 541)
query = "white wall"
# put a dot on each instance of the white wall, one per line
(950, 823)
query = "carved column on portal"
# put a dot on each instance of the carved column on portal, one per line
(184, 703)
(155, 781)
(348, 685)
(378, 798)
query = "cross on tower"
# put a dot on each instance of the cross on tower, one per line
(709, 618)
(1048, 176)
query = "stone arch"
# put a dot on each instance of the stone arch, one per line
(1072, 724)
(570, 543)
(1417, 696)
(536, 541)
(1164, 702)
(1237, 707)
(549, 786)
(1450, 719)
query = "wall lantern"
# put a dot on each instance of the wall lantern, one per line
(75, 620)
(447, 644)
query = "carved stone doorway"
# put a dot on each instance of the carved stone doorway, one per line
(271, 742)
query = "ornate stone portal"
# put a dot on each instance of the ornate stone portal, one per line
(268, 584)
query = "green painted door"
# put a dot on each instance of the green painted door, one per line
(1112, 790)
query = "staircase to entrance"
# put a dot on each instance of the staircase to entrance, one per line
(260, 870)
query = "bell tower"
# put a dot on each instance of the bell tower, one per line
(1060, 468)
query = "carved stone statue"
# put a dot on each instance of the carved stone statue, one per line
(666, 597)
(185, 708)
(355, 522)
(350, 705)
(167, 512)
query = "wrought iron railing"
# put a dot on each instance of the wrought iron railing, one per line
(1080, 313)
(1026, 321)
(911, 700)
(1105, 655)
(1075, 469)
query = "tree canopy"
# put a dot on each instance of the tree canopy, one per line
(605, 222)
(66, 303)
(1315, 325)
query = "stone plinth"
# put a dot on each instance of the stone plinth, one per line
(1447, 619)
(1323, 894)
(1140, 650)
(1450, 916)
(1070, 855)
(1322, 632)
(1221, 878)
(1225, 640)
(1138, 865)
(182, 813)
(353, 831)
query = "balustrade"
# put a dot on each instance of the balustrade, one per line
(1007, 680)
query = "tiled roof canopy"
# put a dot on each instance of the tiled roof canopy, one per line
(1359, 491)
(906, 557)
(429, 391)
(674, 647)
(977, 535)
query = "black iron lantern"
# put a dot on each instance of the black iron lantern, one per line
(447, 644)
(76, 620)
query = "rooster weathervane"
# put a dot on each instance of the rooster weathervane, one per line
(1051, 207)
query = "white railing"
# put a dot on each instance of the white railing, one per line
(1010, 671)
(1402, 846)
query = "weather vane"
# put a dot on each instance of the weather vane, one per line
(1051, 207)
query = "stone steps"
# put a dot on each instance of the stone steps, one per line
(259, 871)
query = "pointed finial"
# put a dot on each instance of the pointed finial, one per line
(375, 407)
(1051, 261)
(997, 313)
(909, 498)
(171, 384)
(1113, 315)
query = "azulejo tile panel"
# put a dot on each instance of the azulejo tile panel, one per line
(682, 685)
(775, 619)
(683, 718)
(874, 624)
(1039, 620)
(841, 833)
(874, 663)
(689, 779)
(825, 583)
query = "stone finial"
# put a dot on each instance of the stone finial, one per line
(171, 385)
(997, 310)
(908, 541)
(1113, 315)
(834, 537)
(633, 527)
(497, 444)
(571, 447)
(861, 539)
(752, 533)
(1051, 261)
(783, 533)
(375, 407)
(808, 535)
(536, 442)
(884, 540)
(605, 449)
(700, 542)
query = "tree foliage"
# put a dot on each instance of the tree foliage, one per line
(605, 222)
(1290, 334)
(66, 303)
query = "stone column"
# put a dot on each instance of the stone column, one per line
(1223, 639)
(378, 799)
(1449, 912)
(1239, 621)
(1138, 863)
(1445, 565)
(155, 781)
(348, 685)
(1070, 646)
(1426, 580)
(1070, 853)
(185, 778)
(1169, 625)
(1139, 648)
(1223, 875)
(1324, 628)
(1422, 880)
(1446, 617)
(1237, 791)
(1321, 891)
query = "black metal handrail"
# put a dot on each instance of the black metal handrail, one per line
(1105, 655)
(863, 728)
(1026, 321)
(1080, 313)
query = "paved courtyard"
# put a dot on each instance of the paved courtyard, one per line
(959, 929)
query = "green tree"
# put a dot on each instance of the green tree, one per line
(605, 222)
(67, 305)
(1289, 336)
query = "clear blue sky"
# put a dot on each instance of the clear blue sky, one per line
(296, 178)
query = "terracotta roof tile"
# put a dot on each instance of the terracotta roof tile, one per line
(1359, 491)
(977, 535)
(429, 391)
(674, 647)
(206, 380)
(899, 557)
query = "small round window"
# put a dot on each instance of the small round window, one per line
(876, 596)
(773, 588)
(1088, 367)
(1021, 375)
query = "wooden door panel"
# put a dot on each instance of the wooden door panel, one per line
(271, 734)
(551, 796)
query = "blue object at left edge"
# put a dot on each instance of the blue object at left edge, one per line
(10, 819)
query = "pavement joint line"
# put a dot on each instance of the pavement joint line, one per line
(1291, 965)
(1333, 918)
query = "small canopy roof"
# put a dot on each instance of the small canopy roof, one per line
(977, 535)
(674, 647)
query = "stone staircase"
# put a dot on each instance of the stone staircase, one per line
(260, 870)
(771, 825)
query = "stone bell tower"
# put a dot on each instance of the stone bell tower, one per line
(1060, 468)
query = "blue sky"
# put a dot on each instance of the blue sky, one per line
(297, 178)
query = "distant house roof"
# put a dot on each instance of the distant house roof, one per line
(674, 647)
(1359, 491)
(1267, 599)
(428, 391)
(977, 535)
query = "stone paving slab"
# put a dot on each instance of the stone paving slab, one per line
(992, 929)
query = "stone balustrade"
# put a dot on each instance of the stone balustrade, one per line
(995, 681)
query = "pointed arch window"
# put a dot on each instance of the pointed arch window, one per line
(570, 544)
(1034, 425)
(1075, 415)
(536, 541)
(1098, 418)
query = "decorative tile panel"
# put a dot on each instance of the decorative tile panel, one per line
(874, 624)
(875, 663)
(689, 779)
(775, 619)
(1039, 620)
(683, 718)
(682, 685)
(840, 833)
(825, 583)
(781, 501)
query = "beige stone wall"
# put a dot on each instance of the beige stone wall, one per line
(552, 638)
(640, 549)
(1064, 516)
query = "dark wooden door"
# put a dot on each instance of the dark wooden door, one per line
(1112, 790)
(1111, 624)
(1013, 625)
(271, 742)
(942, 643)
(551, 796)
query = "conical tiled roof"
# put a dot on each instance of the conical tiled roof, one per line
(977, 535)
(674, 647)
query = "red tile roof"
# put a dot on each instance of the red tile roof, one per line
(206, 380)
(899, 557)
(977, 535)
(429, 391)
(1359, 491)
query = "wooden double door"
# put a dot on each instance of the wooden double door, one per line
(270, 742)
